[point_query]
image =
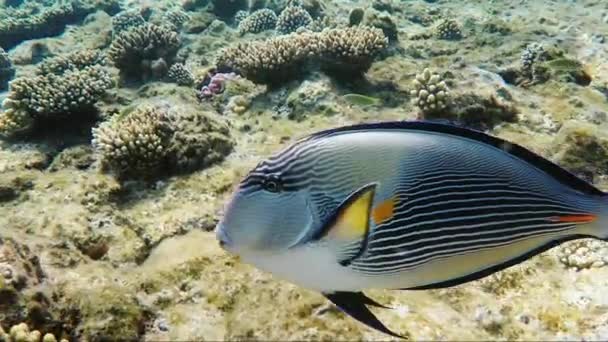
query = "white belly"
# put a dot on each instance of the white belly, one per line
(312, 267)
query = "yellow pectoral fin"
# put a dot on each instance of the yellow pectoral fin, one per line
(352, 220)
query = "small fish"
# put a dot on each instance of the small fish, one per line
(361, 100)
(403, 205)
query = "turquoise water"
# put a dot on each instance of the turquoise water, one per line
(125, 126)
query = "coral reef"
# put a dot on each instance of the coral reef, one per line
(448, 30)
(73, 61)
(134, 144)
(144, 52)
(258, 21)
(6, 69)
(112, 240)
(179, 74)
(44, 21)
(431, 92)
(343, 52)
(51, 96)
(126, 20)
(174, 19)
(293, 18)
(241, 15)
(155, 140)
(350, 52)
(268, 61)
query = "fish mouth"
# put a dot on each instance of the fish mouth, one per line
(222, 237)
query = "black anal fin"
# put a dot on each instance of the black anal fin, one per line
(354, 304)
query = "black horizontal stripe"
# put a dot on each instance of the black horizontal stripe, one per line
(439, 239)
(403, 264)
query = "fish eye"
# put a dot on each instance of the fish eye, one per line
(272, 183)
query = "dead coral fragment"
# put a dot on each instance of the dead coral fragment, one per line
(73, 61)
(349, 51)
(21, 333)
(258, 21)
(292, 18)
(139, 51)
(582, 254)
(52, 96)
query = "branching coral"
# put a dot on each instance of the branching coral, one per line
(179, 74)
(258, 21)
(126, 20)
(52, 96)
(73, 61)
(350, 51)
(153, 141)
(144, 51)
(292, 18)
(136, 144)
(270, 61)
(448, 30)
(346, 52)
(431, 92)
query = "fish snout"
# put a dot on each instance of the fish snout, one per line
(222, 237)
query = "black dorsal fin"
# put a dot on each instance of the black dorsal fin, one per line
(558, 173)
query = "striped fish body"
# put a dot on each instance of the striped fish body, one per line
(413, 205)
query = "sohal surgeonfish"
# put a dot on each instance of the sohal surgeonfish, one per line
(403, 205)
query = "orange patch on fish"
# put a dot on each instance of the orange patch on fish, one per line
(582, 218)
(384, 211)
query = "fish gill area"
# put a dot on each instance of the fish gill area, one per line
(125, 125)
